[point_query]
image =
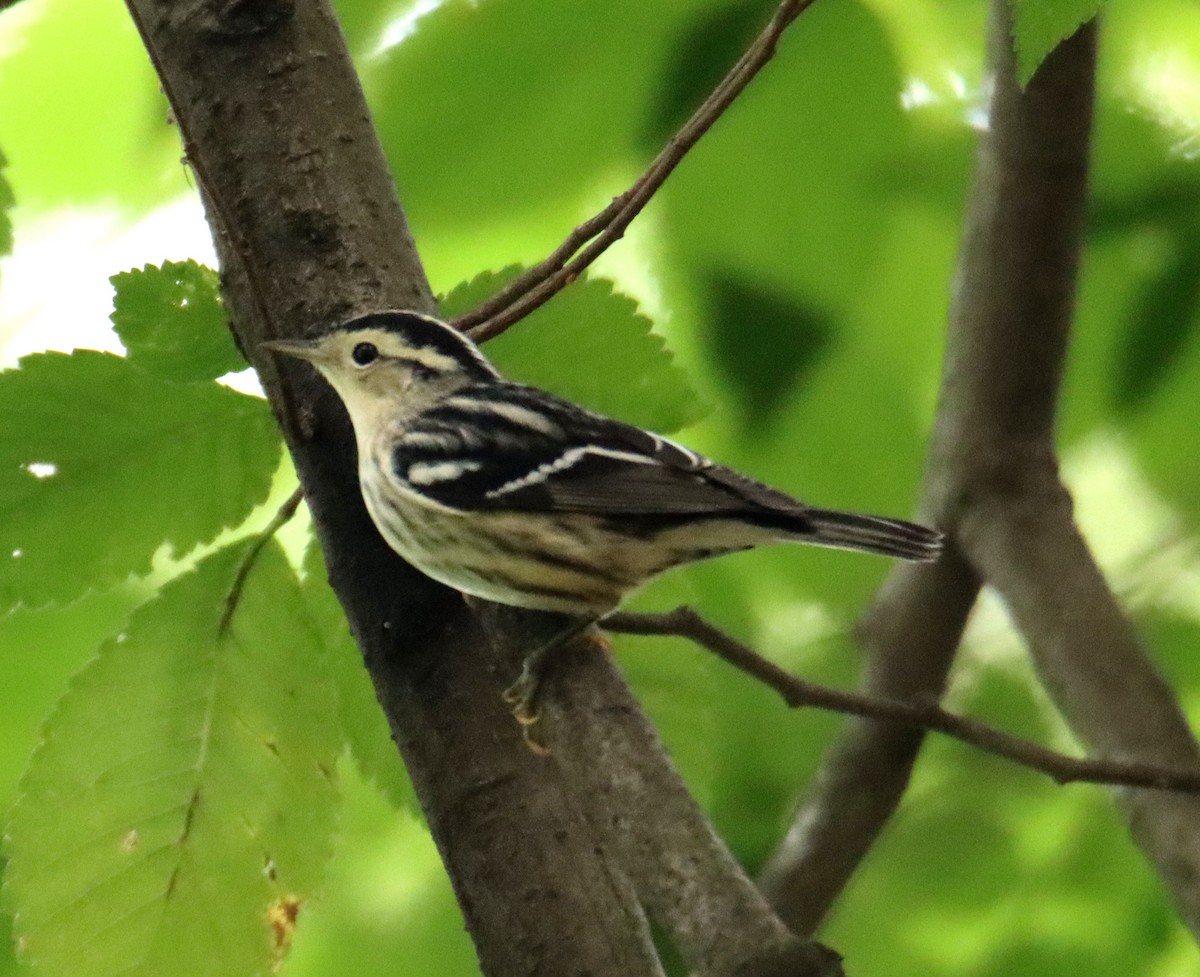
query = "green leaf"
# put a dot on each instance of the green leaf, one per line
(590, 345)
(1174, 639)
(362, 22)
(363, 722)
(108, 463)
(849, 437)
(181, 805)
(73, 631)
(171, 321)
(8, 960)
(467, 295)
(1040, 25)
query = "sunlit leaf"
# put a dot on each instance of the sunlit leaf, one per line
(177, 814)
(8, 960)
(387, 899)
(999, 841)
(90, 135)
(108, 463)
(705, 50)
(363, 21)
(785, 189)
(171, 321)
(1173, 638)
(1140, 218)
(73, 631)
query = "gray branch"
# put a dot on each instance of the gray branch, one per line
(992, 460)
(1095, 669)
(1016, 524)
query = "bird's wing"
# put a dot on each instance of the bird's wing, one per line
(504, 446)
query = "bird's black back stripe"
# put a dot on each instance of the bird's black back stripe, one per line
(509, 446)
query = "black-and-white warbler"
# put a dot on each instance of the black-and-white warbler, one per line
(511, 494)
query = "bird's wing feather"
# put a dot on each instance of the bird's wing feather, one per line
(506, 447)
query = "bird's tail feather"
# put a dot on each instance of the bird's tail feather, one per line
(873, 534)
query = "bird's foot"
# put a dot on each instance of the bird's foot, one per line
(599, 640)
(522, 697)
(523, 693)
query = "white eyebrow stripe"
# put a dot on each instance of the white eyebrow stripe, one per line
(431, 472)
(564, 461)
(430, 358)
(514, 413)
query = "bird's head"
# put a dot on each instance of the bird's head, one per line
(388, 365)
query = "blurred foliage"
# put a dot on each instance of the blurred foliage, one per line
(6, 202)
(798, 266)
(131, 155)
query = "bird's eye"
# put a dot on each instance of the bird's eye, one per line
(365, 354)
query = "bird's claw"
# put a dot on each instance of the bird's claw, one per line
(522, 697)
(531, 744)
(600, 641)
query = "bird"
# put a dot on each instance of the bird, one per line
(511, 494)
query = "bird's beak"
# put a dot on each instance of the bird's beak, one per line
(304, 349)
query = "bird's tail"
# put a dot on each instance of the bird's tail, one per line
(873, 534)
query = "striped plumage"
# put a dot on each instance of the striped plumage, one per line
(511, 494)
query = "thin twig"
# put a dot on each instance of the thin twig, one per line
(683, 622)
(281, 518)
(533, 288)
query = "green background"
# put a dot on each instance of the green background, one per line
(798, 267)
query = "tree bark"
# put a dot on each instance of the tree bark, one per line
(309, 232)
